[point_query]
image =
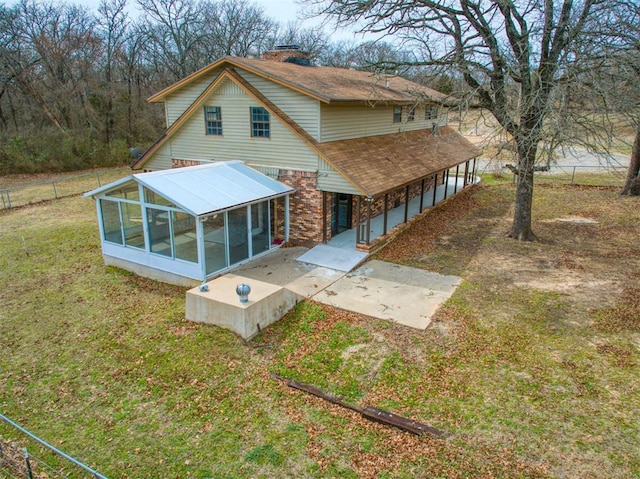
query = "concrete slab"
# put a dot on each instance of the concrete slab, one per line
(407, 275)
(382, 290)
(408, 296)
(282, 268)
(332, 257)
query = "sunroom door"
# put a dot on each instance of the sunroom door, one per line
(238, 230)
(260, 234)
(215, 243)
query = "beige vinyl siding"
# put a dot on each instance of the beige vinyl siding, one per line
(161, 159)
(342, 122)
(283, 149)
(330, 180)
(178, 102)
(301, 108)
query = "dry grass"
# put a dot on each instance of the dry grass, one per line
(21, 190)
(531, 367)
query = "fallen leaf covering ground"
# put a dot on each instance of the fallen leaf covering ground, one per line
(531, 367)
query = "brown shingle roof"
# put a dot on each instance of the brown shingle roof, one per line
(326, 84)
(377, 164)
(373, 164)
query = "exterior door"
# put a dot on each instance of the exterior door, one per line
(237, 231)
(340, 213)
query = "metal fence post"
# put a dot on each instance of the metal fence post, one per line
(27, 463)
(55, 192)
(50, 447)
(98, 178)
(573, 175)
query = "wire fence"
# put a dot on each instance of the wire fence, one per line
(578, 175)
(36, 192)
(59, 187)
(583, 175)
(17, 461)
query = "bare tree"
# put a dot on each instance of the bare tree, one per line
(628, 62)
(236, 27)
(512, 54)
(9, 67)
(175, 32)
(52, 55)
(314, 41)
(112, 25)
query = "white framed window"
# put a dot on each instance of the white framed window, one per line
(397, 114)
(431, 113)
(213, 120)
(260, 122)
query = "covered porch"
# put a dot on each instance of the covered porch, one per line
(342, 252)
(392, 178)
(372, 224)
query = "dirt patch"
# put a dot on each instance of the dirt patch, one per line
(448, 237)
(574, 219)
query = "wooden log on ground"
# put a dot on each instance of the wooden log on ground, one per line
(368, 412)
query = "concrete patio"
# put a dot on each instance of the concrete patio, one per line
(326, 274)
(378, 289)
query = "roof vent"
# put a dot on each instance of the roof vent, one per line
(305, 62)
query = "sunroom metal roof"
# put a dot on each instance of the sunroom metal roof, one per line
(205, 189)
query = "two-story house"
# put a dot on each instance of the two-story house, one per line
(336, 148)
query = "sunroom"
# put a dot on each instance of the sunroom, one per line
(189, 224)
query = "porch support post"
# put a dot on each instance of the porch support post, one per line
(324, 217)
(421, 195)
(358, 220)
(369, 201)
(455, 185)
(446, 184)
(406, 203)
(386, 209)
(473, 173)
(286, 218)
(435, 188)
(466, 174)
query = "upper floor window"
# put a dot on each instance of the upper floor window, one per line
(431, 113)
(260, 125)
(411, 115)
(213, 120)
(397, 114)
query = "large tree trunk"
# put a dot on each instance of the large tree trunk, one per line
(521, 226)
(632, 185)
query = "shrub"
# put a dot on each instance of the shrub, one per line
(51, 152)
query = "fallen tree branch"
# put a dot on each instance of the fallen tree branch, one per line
(368, 412)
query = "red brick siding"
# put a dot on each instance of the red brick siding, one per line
(395, 199)
(183, 163)
(305, 206)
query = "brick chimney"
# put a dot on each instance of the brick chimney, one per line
(288, 54)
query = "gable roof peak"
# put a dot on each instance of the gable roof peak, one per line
(326, 84)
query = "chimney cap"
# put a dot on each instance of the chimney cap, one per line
(288, 47)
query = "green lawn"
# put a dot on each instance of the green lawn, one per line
(528, 380)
